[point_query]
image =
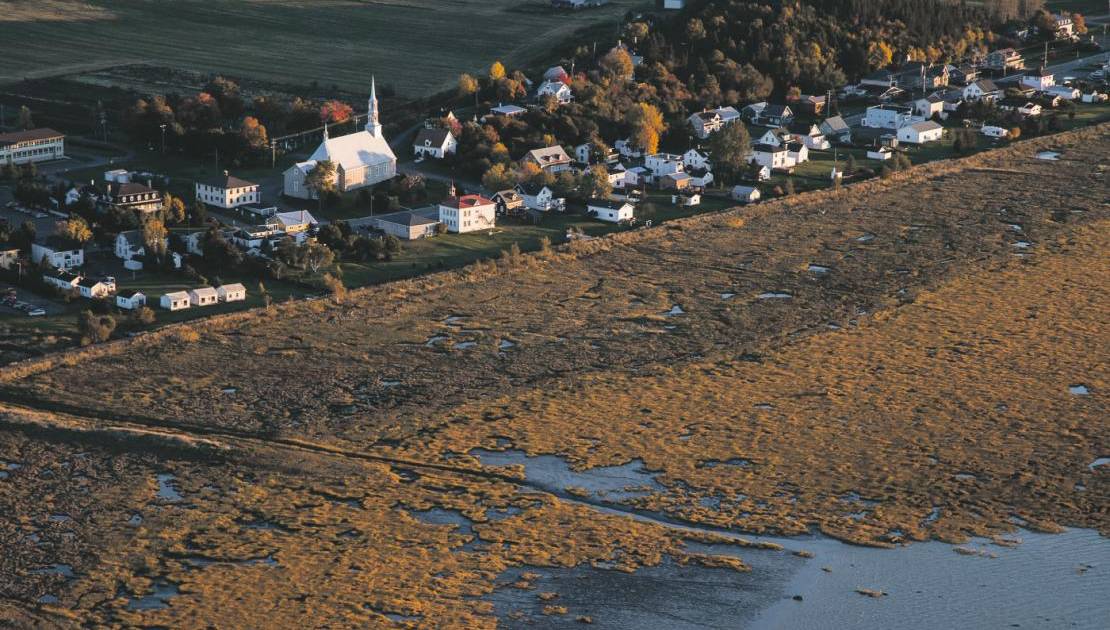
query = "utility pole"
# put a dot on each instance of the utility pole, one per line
(273, 153)
(163, 126)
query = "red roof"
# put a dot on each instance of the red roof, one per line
(30, 135)
(466, 201)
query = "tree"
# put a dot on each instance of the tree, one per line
(154, 236)
(850, 164)
(879, 54)
(143, 316)
(496, 72)
(729, 148)
(321, 179)
(499, 177)
(647, 126)
(94, 328)
(618, 64)
(253, 134)
(174, 209)
(317, 256)
(467, 85)
(25, 120)
(335, 112)
(74, 229)
(595, 182)
(335, 286)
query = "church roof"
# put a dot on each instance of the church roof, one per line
(354, 150)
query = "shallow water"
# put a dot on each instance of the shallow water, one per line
(1048, 155)
(157, 599)
(166, 491)
(1047, 581)
(775, 295)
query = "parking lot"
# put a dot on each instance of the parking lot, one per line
(15, 301)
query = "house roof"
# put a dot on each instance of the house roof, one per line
(435, 136)
(507, 110)
(705, 116)
(129, 188)
(507, 195)
(226, 181)
(795, 146)
(925, 125)
(744, 190)
(354, 151)
(88, 282)
(127, 294)
(297, 217)
(407, 219)
(465, 201)
(837, 124)
(134, 238)
(801, 128)
(235, 286)
(57, 243)
(776, 110)
(767, 148)
(531, 189)
(203, 291)
(42, 133)
(611, 204)
(176, 295)
(986, 85)
(549, 156)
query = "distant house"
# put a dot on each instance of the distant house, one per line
(32, 145)
(175, 301)
(671, 5)
(227, 191)
(880, 78)
(813, 105)
(62, 279)
(130, 244)
(556, 73)
(918, 75)
(130, 299)
(407, 225)
(610, 210)
(636, 176)
(982, 90)
(9, 255)
(507, 201)
(1064, 26)
(540, 197)
(962, 74)
(296, 222)
(796, 153)
(1063, 91)
(1040, 79)
(57, 252)
(552, 159)
(707, 122)
(745, 194)
(507, 110)
(561, 91)
(761, 174)
(992, 131)
(94, 289)
(836, 128)
(880, 153)
(661, 164)
(618, 176)
(676, 181)
(627, 149)
(1004, 59)
(467, 213)
(810, 134)
(920, 132)
(774, 116)
(695, 159)
(140, 198)
(928, 106)
(775, 137)
(770, 156)
(752, 111)
(203, 296)
(886, 116)
(234, 292)
(437, 143)
(686, 200)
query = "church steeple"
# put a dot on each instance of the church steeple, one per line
(373, 126)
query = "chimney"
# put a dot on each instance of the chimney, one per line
(225, 173)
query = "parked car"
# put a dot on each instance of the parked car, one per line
(37, 312)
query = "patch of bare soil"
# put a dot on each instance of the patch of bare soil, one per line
(925, 382)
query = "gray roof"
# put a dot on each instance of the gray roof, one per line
(226, 182)
(436, 136)
(407, 219)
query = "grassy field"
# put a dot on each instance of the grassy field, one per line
(415, 46)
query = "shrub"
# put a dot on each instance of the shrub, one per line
(95, 328)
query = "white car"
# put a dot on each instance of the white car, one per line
(38, 312)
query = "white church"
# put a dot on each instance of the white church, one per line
(361, 159)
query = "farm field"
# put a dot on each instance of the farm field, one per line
(922, 357)
(416, 47)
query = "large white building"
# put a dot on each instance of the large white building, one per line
(226, 191)
(467, 213)
(33, 145)
(361, 159)
(887, 116)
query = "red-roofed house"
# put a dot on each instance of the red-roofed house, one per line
(467, 213)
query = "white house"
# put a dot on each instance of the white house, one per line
(810, 135)
(437, 143)
(696, 159)
(540, 197)
(770, 156)
(992, 131)
(1040, 79)
(296, 223)
(928, 106)
(1064, 92)
(467, 213)
(33, 145)
(507, 110)
(661, 164)
(627, 149)
(618, 176)
(93, 289)
(880, 153)
(610, 211)
(175, 301)
(981, 90)
(57, 253)
(707, 122)
(227, 191)
(836, 128)
(762, 174)
(9, 255)
(203, 296)
(561, 91)
(361, 159)
(637, 176)
(62, 279)
(129, 244)
(130, 299)
(774, 137)
(745, 194)
(235, 292)
(920, 132)
(796, 153)
(887, 116)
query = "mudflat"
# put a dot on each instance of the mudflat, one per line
(919, 357)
